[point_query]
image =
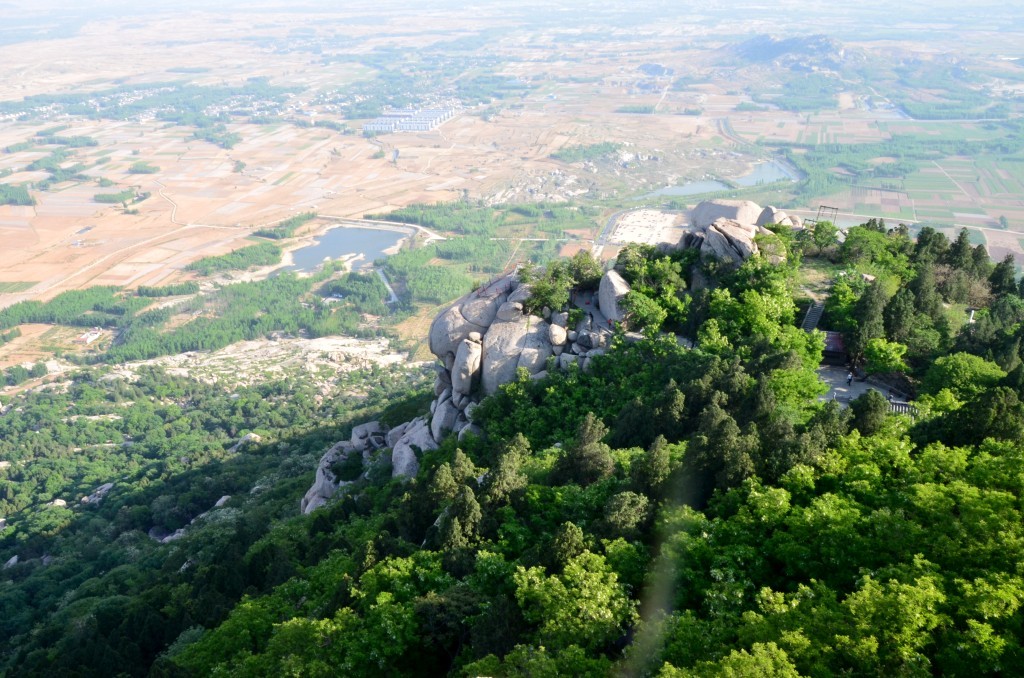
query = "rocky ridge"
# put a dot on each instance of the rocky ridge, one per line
(481, 341)
(484, 339)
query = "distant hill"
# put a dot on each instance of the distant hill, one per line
(819, 49)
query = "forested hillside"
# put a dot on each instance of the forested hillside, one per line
(670, 511)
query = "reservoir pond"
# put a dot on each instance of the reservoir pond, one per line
(763, 173)
(371, 243)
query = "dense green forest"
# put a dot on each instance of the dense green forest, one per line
(671, 511)
(93, 577)
(168, 290)
(178, 102)
(126, 195)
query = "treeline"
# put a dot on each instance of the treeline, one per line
(217, 135)
(636, 108)
(454, 217)
(242, 311)
(777, 534)
(916, 312)
(806, 92)
(18, 374)
(178, 102)
(143, 167)
(9, 336)
(475, 255)
(94, 306)
(176, 289)
(467, 218)
(250, 310)
(421, 282)
(18, 147)
(126, 195)
(712, 479)
(261, 254)
(365, 292)
(70, 142)
(11, 194)
(53, 165)
(286, 228)
(909, 152)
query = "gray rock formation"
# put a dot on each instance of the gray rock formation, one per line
(742, 211)
(443, 420)
(449, 329)
(417, 438)
(245, 440)
(557, 334)
(325, 484)
(503, 344)
(520, 293)
(481, 310)
(726, 229)
(363, 434)
(612, 289)
(773, 215)
(98, 494)
(395, 434)
(510, 311)
(467, 366)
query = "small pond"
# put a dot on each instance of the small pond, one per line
(341, 241)
(763, 173)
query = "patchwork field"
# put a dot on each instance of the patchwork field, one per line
(698, 118)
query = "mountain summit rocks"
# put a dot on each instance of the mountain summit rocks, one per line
(726, 229)
(485, 338)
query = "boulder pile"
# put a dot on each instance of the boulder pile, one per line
(481, 342)
(725, 229)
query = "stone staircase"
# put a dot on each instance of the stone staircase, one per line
(813, 317)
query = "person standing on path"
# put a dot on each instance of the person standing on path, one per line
(849, 379)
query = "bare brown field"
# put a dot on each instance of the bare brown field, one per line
(200, 206)
(38, 342)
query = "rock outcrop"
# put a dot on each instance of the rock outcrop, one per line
(773, 215)
(610, 292)
(416, 438)
(726, 229)
(485, 338)
(709, 211)
(326, 483)
(466, 369)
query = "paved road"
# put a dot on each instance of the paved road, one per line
(835, 377)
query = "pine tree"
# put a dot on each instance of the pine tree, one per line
(899, 316)
(651, 470)
(959, 255)
(1003, 279)
(587, 460)
(926, 294)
